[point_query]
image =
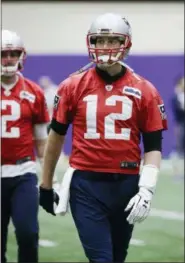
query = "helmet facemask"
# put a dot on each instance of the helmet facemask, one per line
(12, 61)
(112, 55)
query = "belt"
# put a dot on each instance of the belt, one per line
(98, 176)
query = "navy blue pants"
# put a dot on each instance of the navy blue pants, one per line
(97, 202)
(19, 201)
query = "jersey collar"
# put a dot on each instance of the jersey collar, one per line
(110, 79)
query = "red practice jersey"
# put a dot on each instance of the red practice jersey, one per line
(21, 108)
(108, 119)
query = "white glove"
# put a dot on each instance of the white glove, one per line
(140, 206)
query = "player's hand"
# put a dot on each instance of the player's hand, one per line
(47, 199)
(139, 206)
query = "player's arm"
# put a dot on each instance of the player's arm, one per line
(140, 203)
(40, 123)
(153, 157)
(52, 151)
(58, 129)
(40, 138)
(153, 122)
(152, 142)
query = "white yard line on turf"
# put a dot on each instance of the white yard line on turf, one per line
(165, 214)
(49, 243)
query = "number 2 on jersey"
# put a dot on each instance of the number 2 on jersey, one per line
(14, 132)
(109, 129)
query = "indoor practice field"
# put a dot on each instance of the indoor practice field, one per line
(159, 239)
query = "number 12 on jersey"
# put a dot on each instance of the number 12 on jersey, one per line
(109, 121)
(15, 114)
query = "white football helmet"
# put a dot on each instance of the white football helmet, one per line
(12, 42)
(112, 25)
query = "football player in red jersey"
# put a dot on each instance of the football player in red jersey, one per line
(110, 107)
(24, 119)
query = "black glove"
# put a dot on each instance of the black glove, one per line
(47, 198)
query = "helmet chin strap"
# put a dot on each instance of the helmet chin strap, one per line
(106, 65)
(90, 64)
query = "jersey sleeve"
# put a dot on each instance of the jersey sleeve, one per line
(41, 114)
(63, 108)
(153, 115)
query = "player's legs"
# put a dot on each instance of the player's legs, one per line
(6, 186)
(90, 217)
(121, 235)
(25, 217)
(121, 230)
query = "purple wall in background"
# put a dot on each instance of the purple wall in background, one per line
(162, 71)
